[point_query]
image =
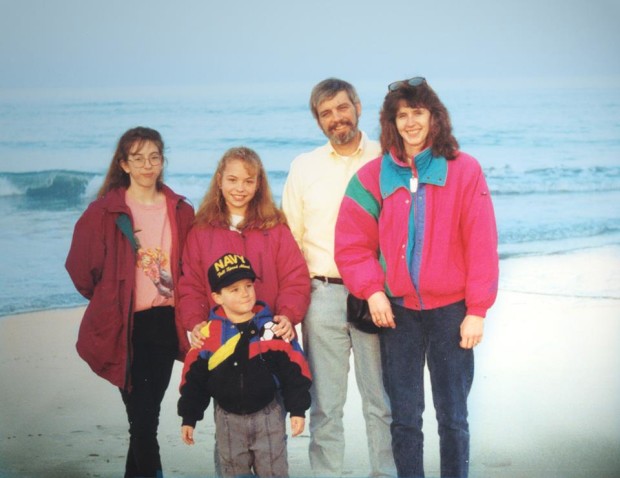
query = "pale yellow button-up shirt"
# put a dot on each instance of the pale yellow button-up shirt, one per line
(311, 199)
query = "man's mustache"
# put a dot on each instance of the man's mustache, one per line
(340, 123)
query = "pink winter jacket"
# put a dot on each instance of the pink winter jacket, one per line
(425, 249)
(283, 280)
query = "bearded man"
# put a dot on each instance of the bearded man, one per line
(311, 200)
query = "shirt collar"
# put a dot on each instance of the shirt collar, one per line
(396, 174)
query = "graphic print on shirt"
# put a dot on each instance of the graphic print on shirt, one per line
(154, 262)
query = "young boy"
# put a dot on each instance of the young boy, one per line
(241, 365)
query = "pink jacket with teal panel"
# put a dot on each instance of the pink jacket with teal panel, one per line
(425, 248)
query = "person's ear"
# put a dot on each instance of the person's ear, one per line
(217, 298)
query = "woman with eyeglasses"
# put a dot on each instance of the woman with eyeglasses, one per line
(416, 237)
(125, 258)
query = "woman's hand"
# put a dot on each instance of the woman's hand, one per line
(196, 338)
(472, 329)
(381, 310)
(283, 328)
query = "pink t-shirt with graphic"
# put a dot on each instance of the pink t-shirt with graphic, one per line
(154, 286)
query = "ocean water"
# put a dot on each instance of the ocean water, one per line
(551, 156)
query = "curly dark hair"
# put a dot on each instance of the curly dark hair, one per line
(443, 143)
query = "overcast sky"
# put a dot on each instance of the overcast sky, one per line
(87, 43)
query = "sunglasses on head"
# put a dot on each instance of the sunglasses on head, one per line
(415, 81)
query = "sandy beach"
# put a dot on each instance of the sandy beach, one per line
(545, 401)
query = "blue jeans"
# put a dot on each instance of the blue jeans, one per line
(328, 343)
(432, 335)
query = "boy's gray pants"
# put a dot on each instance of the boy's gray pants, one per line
(252, 444)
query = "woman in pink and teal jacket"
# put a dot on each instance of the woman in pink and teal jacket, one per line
(416, 237)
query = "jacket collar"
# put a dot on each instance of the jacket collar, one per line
(261, 311)
(396, 174)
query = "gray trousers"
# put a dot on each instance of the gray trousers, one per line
(329, 341)
(254, 444)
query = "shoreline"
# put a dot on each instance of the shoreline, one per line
(506, 258)
(545, 400)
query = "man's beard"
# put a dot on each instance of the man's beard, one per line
(344, 137)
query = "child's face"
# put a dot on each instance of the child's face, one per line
(238, 185)
(237, 299)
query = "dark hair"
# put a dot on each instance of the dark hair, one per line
(327, 89)
(116, 176)
(262, 212)
(443, 143)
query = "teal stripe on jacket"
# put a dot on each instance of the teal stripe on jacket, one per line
(364, 198)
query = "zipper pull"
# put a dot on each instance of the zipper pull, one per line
(413, 184)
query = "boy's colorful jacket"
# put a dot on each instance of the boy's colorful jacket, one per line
(426, 245)
(241, 366)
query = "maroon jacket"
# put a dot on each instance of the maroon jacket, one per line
(102, 266)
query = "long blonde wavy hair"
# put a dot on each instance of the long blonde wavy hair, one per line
(262, 212)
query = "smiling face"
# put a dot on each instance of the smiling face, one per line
(413, 125)
(144, 165)
(338, 118)
(237, 300)
(238, 185)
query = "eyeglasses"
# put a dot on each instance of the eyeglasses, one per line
(140, 161)
(415, 81)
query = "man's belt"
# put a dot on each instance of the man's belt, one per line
(329, 280)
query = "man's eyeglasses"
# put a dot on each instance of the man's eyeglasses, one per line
(415, 81)
(140, 161)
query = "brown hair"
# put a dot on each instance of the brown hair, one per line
(116, 176)
(262, 212)
(443, 143)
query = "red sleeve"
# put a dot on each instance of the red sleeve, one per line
(87, 252)
(193, 301)
(479, 232)
(357, 234)
(293, 278)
